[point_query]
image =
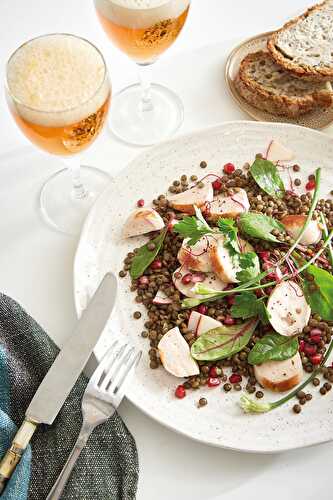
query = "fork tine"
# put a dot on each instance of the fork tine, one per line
(114, 366)
(117, 385)
(113, 375)
(96, 376)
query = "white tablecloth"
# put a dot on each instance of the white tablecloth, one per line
(36, 263)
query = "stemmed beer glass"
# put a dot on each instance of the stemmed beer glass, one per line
(145, 113)
(58, 91)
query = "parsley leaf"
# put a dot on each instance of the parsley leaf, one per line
(250, 267)
(247, 305)
(193, 228)
(229, 229)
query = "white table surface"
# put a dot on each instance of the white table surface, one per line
(36, 263)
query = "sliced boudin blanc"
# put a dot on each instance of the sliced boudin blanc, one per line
(223, 264)
(228, 206)
(175, 354)
(280, 375)
(200, 323)
(294, 225)
(277, 152)
(288, 310)
(185, 201)
(185, 281)
(142, 221)
(196, 257)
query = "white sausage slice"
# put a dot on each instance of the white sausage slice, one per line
(196, 257)
(142, 221)
(289, 312)
(280, 376)
(223, 264)
(294, 225)
(208, 280)
(277, 152)
(228, 206)
(200, 323)
(176, 356)
(185, 201)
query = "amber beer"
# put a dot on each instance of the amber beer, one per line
(59, 102)
(143, 29)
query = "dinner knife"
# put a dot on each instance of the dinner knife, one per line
(61, 377)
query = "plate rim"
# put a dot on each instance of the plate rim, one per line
(86, 225)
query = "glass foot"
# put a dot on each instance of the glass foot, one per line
(144, 128)
(63, 211)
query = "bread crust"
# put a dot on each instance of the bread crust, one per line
(263, 98)
(320, 73)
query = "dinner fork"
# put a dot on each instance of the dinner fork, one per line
(102, 397)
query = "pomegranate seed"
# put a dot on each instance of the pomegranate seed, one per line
(264, 255)
(310, 185)
(228, 320)
(198, 277)
(215, 371)
(157, 264)
(143, 280)
(213, 382)
(231, 299)
(217, 185)
(301, 345)
(235, 378)
(259, 293)
(187, 279)
(180, 392)
(229, 168)
(141, 202)
(316, 339)
(202, 309)
(316, 359)
(315, 331)
(310, 350)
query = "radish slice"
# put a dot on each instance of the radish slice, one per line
(142, 221)
(228, 206)
(280, 376)
(196, 257)
(185, 201)
(223, 264)
(289, 312)
(210, 281)
(200, 323)
(176, 356)
(294, 225)
(161, 299)
(277, 152)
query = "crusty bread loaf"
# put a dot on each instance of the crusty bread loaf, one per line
(304, 46)
(268, 87)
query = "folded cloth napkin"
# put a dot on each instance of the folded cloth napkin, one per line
(108, 466)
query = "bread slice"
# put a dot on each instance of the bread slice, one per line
(268, 87)
(304, 45)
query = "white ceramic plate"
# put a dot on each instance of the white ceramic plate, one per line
(221, 422)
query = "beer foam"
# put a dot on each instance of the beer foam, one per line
(57, 80)
(140, 14)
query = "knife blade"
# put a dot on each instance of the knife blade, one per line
(65, 370)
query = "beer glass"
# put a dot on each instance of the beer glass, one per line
(144, 113)
(58, 91)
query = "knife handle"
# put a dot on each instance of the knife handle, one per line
(15, 452)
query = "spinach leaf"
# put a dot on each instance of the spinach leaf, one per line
(318, 290)
(193, 228)
(273, 347)
(266, 175)
(145, 257)
(222, 342)
(247, 305)
(260, 226)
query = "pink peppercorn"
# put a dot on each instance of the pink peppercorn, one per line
(202, 309)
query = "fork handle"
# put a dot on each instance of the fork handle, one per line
(61, 482)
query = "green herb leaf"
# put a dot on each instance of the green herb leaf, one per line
(247, 305)
(250, 266)
(223, 342)
(260, 226)
(267, 177)
(319, 291)
(193, 228)
(145, 257)
(229, 229)
(273, 347)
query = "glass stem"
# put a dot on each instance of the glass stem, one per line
(145, 72)
(78, 190)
